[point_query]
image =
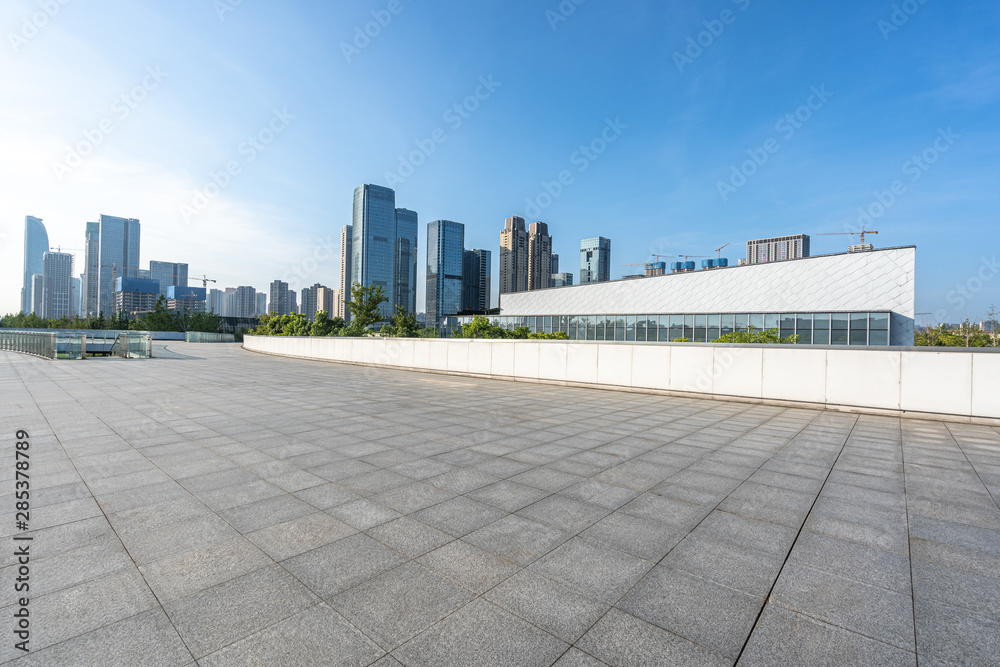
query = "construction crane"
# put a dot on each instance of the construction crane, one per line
(687, 257)
(719, 250)
(205, 280)
(861, 233)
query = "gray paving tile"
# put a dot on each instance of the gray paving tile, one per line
(622, 639)
(726, 563)
(459, 516)
(148, 634)
(596, 571)
(340, 565)
(852, 560)
(297, 536)
(409, 537)
(399, 604)
(577, 658)
(469, 566)
(783, 637)
(177, 576)
(508, 496)
(862, 608)
(644, 538)
(959, 588)
(413, 497)
(518, 539)
(556, 609)
(460, 640)
(949, 635)
(263, 513)
(704, 612)
(564, 513)
(363, 514)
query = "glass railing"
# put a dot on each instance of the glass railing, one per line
(42, 344)
(132, 345)
(206, 337)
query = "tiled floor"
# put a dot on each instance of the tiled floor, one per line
(226, 508)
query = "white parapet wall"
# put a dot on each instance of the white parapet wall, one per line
(949, 383)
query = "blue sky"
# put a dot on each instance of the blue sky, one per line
(688, 91)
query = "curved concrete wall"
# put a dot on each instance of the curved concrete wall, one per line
(940, 382)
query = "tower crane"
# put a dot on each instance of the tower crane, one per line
(205, 280)
(861, 233)
(719, 250)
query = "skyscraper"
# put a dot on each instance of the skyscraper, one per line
(293, 302)
(245, 304)
(37, 305)
(445, 245)
(57, 274)
(168, 273)
(384, 247)
(91, 283)
(261, 303)
(406, 261)
(279, 298)
(326, 300)
(562, 279)
(555, 263)
(316, 298)
(513, 256)
(119, 256)
(595, 260)
(346, 240)
(477, 265)
(762, 251)
(36, 243)
(539, 256)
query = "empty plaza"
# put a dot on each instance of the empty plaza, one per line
(214, 506)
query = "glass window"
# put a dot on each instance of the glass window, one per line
(713, 327)
(664, 328)
(742, 320)
(620, 327)
(757, 321)
(564, 323)
(592, 327)
(859, 336)
(630, 327)
(700, 328)
(676, 327)
(859, 321)
(838, 328)
(689, 327)
(727, 324)
(879, 322)
(878, 337)
(804, 324)
(640, 328)
(547, 323)
(772, 321)
(600, 328)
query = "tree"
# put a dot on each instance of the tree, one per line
(480, 327)
(324, 326)
(753, 336)
(365, 308)
(993, 334)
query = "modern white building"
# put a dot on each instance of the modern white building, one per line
(843, 299)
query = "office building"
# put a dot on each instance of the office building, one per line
(477, 266)
(91, 270)
(384, 247)
(168, 273)
(513, 256)
(192, 299)
(346, 240)
(445, 248)
(595, 260)
(326, 300)
(555, 263)
(37, 305)
(36, 243)
(79, 301)
(293, 302)
(119, 257)
(145, 274)
(562, 279)
(134, 296)
(842, 299)
(245, 302)
(57, 290)
(280, 304)
(261, 304)
(777, 249)
(539, 256)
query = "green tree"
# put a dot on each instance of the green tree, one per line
(480, 327)
(365, 308)
(206, 322)
(324, 326)
(753, 336)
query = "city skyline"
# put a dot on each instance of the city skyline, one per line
(180, 110)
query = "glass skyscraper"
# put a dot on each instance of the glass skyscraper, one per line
(36, 243)
(476, 277)
(90, 296)
(119, 256)
(445, 245)
(384, 247)
(406, 260)
(169, 274)
(57, 288)
(595, 260)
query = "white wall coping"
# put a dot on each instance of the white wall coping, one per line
(956, 384)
